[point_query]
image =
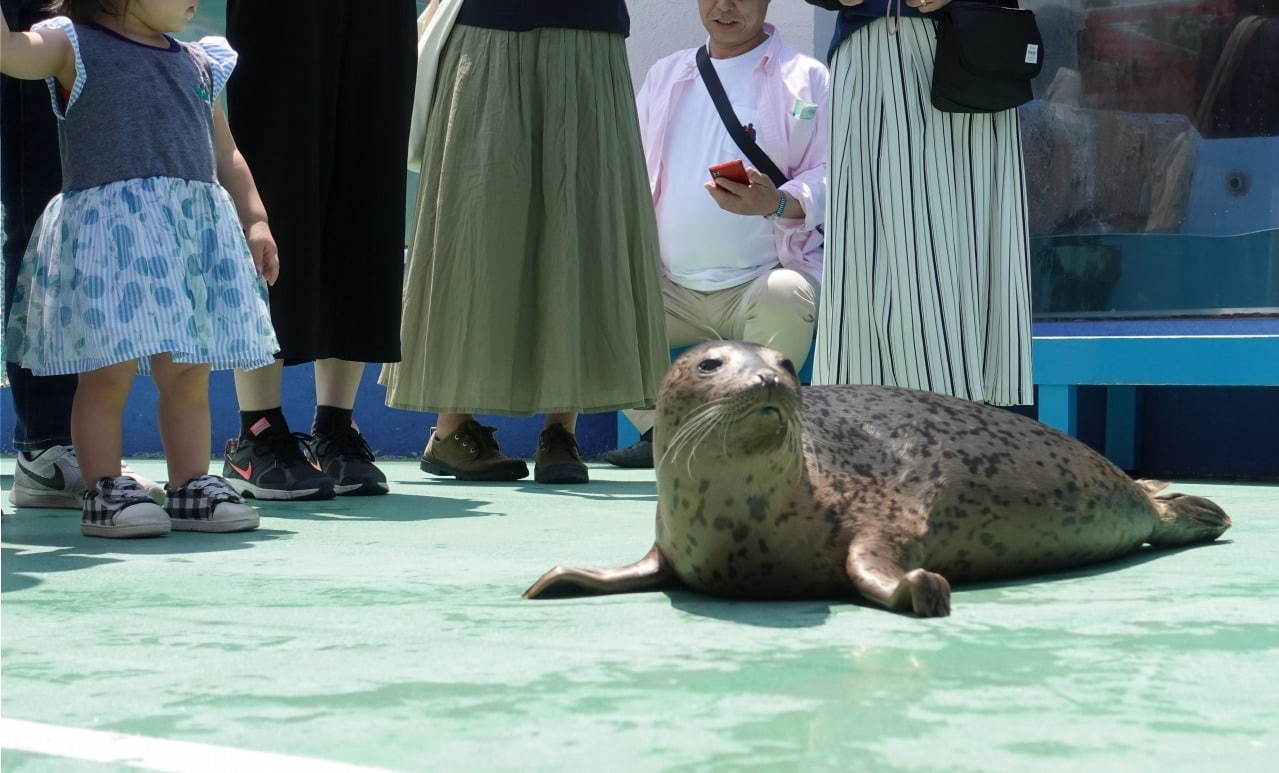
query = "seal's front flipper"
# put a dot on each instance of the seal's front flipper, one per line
(650, 572)
(877, 575)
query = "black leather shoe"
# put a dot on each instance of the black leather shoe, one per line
(557, 459)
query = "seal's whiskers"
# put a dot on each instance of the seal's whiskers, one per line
(699, 424)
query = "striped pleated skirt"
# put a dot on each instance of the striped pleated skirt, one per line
(136, 268)
(926, 276)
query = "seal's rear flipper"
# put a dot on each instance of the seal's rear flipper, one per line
(1152, 487)
(1184, 520)
(879, 576)
(649, 573)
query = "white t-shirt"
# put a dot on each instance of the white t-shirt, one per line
(704, 247)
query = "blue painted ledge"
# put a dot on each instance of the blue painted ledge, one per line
(390, 432)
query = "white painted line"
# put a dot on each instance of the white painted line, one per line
(139, 751)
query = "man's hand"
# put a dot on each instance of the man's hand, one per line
(266, 256)
(759, 198)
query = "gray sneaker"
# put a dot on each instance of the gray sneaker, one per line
(52, 479)
(470, 453)
(638, 456)
(120, 508)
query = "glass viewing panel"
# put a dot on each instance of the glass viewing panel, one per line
(1152, 158)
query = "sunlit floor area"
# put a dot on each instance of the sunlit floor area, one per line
(389, 632)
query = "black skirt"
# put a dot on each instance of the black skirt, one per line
(319, 105)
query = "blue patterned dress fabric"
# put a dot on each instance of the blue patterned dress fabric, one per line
(142, 253)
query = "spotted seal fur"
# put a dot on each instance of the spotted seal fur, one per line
(889, 493)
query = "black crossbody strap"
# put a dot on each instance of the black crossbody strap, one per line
(758, 158)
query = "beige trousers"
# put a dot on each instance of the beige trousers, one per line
(778, 309)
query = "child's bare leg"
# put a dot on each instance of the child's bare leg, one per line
(184, 417)
(96, 419)
(211, 505)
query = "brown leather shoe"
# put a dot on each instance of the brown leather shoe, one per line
(470, 453)
(557, 459)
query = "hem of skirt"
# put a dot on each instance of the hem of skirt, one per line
(291, 360)
(520, 412)
(242, 360)
(1021, 399)
(1015, 402)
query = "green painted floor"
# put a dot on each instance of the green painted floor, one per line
(390, 632)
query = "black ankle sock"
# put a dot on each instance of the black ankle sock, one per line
(251, 422)
(328, 419)
(647, 435)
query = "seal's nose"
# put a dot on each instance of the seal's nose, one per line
(767, 379)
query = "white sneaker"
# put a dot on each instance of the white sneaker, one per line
(52, 479)
(121, 508)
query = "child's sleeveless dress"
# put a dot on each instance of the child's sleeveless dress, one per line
(142, 253)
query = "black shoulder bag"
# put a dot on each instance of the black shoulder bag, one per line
(987, 55)
(758, 158)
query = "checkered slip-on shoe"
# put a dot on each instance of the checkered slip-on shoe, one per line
(121, 508)
(208, 503)
(153, 489)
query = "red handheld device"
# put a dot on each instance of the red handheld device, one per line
(731, 170)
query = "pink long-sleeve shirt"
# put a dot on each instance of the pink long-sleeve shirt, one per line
(785, 81)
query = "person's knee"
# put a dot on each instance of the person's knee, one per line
(112, 378)
(790, 292)
(180, 376)
(105, 388)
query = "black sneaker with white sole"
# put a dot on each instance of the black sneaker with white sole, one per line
(274, 465)
(121, 508)
(208, 503)
(347, 459)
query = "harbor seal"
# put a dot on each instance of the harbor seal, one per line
(767, 490)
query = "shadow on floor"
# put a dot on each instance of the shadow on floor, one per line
(1141, 556)
(59, 546)
(763, 614)
(386, 507)
(602, 490)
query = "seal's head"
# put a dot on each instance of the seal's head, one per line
(727, 402)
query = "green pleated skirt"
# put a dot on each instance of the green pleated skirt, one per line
(532, 282)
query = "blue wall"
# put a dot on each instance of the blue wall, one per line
(1220, 432)
(1228, 432)
(390, 432)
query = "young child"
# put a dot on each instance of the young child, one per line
(141, 263)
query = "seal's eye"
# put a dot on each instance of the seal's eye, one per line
(709, 365)
(788, 366)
